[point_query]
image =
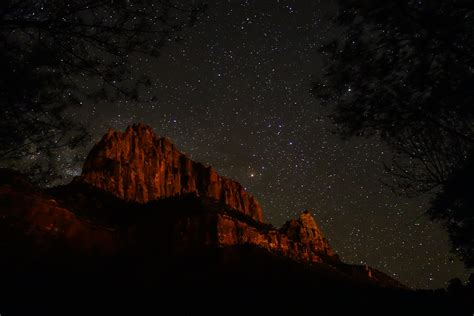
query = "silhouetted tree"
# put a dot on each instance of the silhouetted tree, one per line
(58, 53)
(404, 71)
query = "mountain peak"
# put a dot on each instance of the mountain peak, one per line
(137, 165)
(304, 230)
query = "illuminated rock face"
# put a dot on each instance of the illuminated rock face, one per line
(306, 232)
(295, 240)
(177, 227)
(140, 198)
(139, 166)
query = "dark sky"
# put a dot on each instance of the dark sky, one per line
(235, 94)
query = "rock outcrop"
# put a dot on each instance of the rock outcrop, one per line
(140, 201)
(139, 166)
(298, 246)
(306, 232)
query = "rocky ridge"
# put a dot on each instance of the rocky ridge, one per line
(139, 197)
(143, 218)
(139, 166)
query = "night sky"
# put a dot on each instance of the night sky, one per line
(235, 94)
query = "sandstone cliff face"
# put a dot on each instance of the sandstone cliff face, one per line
(191, 209)
(39, 217)
(306, 232)
(139, 166)
(207, 228)
(234, 232)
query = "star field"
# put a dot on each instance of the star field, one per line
(234, 94)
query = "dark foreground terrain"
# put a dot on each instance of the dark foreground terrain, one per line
(238, 279)
(74, 254)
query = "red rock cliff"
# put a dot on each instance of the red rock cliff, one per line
(306, 232)
(298, 239)
(139, 166)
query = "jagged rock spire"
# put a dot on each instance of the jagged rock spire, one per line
(305, 231)
(137, 165)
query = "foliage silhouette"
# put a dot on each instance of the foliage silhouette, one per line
(403, 71)
(58, 54)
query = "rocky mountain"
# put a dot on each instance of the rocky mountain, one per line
(139, 166)
(306, 232)
(136, 184)
(143, 216)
